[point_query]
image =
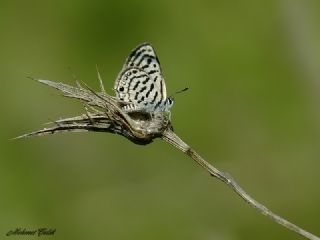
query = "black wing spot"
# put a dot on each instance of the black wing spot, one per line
(151, 88)
(152, 71)
(121, 89)
(134, 71)
(135, 86)
(145, 81)
(145, 66)
(134, 52)
(136, 55)
(155, 79)
(143, 57)
(154, 98)
(149, 60)
(142, 89)
(154, 65)
(136, 96)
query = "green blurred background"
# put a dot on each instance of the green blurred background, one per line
(252, 110)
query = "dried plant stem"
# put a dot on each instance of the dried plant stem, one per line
(107, 116)
(173, 139)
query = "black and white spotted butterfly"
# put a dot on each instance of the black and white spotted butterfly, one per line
(141, 84)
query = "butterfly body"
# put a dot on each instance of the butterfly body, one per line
(140, 83)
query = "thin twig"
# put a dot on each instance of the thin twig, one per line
(100, 80)
(141, 128)
(173, 139)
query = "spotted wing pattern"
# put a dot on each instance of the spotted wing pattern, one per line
(140, 82)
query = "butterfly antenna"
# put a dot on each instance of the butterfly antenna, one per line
(100, 80)
(180, 91)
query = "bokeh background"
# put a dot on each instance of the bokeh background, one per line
(253, 69)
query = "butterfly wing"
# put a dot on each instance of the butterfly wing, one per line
(140, 82)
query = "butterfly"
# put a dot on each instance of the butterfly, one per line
(140, 83)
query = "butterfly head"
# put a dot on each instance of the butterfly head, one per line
(169, 103)
(170, 99)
